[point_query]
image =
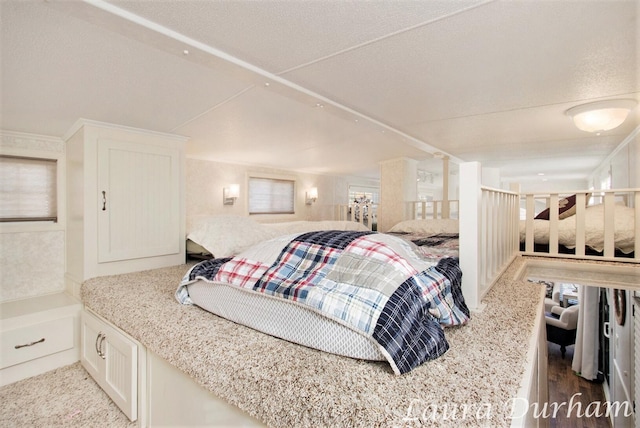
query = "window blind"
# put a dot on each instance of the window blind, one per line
(27, 189)
(271, 196)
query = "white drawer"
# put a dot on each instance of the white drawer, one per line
(34, 341)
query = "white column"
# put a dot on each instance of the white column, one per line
(445, 187)
(397, 187)
(469, 224)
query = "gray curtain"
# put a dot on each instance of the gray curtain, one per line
(585, 355)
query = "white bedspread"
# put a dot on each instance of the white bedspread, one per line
(228, 235)
(594, 229)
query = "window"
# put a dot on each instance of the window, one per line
(27, 189)
(271, 196)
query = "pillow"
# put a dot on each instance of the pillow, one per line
(226, 236)
(440, 225)
(566, 208)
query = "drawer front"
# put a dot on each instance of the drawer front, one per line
(35, 341)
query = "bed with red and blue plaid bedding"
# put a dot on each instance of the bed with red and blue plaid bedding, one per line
(375, 284)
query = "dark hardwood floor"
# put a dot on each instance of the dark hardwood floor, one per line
(563, 384)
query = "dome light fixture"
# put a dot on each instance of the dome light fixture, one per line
(601, 116)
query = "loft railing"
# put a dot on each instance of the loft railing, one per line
(435, 209)
(365, 213)
(542, 237)
(488, 233)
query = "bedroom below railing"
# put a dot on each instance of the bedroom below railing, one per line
(587, 224)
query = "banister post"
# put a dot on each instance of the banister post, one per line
(469, 219)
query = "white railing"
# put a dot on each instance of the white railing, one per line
(365, 213)
(488, 233)
(426, 210)
(584, 230)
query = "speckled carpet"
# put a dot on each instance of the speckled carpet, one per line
(65, 397)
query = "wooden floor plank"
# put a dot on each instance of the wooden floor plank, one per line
(563, 384)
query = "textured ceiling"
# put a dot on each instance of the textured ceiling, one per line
(350, 83)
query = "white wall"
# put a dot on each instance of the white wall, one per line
(623, 165)
(206, 179)
(547, 184)
(32, 255)
(634, 161)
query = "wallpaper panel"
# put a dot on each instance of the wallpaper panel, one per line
(32, 257)
(32, 264)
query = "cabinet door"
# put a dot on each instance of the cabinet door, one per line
(112, 361)
(120, 373)
(90, 334)
(138, 201)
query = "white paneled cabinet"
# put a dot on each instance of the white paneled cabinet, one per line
(145, 387)
(138, 214)
(114, 360)
(125, 200)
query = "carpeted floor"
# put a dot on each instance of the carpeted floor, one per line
(65, 397)
(79, 402)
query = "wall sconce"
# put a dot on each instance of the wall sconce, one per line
(311, 196)
(601, 115)
(230, 194)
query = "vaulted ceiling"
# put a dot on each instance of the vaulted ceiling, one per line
(330, 86)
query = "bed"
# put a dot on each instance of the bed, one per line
(589, 231)
(227, 235)
(434, 238)
(305, 387)
(346, 291)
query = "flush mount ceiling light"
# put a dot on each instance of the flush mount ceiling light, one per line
(601, 115)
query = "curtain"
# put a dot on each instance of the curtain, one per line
(27, 189)
(271, 196)
(585, 355)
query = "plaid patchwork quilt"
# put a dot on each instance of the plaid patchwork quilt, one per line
(370, 282)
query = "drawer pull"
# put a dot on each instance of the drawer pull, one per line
(29, 344)
(99, 341)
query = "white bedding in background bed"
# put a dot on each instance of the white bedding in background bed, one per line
(226, 235)
(312, 226)
(434, 238)
(439, 225)
(594, 229)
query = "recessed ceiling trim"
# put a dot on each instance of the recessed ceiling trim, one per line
(136, 19)
(220, 104)
(386, 36)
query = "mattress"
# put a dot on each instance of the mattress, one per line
(283, 319)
